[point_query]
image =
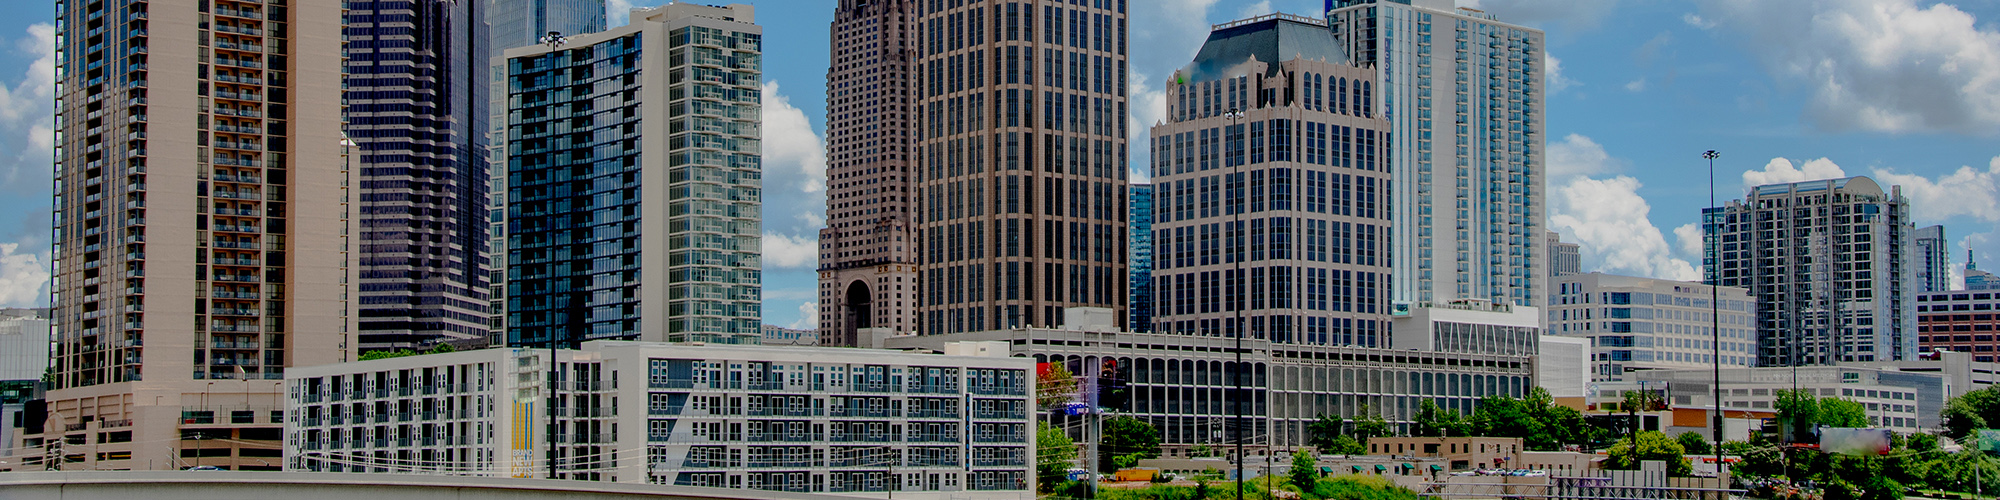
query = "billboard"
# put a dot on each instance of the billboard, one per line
(1854, 441)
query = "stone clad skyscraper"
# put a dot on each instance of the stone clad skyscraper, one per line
(200, 227)
(1463, 93)
(1021, 161)
(867, 267)
(416, 81)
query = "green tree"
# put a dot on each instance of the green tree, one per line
(1321, 431)
(1202, 450)
(1798, 410)
(1560, 424)
(1694, 443)
(1344, 445)
(1055, 453)
(1369, 424)
(1970, 411)
(1433, 421)
(1055, 386)
(1836, 412)
(1127, 439)
(1643, 446)
(1502, 416)
(1305, 470)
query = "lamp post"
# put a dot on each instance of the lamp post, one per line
(554, 39)
(1236, 172)
(1715, 307)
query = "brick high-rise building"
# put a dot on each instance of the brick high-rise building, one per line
(867, 253)
(416, 111)
(1021, 159)
(1961, 320)
(201, 245)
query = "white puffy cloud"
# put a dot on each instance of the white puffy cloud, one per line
(617, 12)
(1259, 8)
(24, 274)
(1610, 220)
(1552, 72)
(1148, 106)
(1876, 65)
(1638, 85)
(1606, 216)
(781, 251)
(27, 116)
(808, 316)
(1781, 170)
(1697, 21)
(1967, 191)
(790, 144)
(1688, 237)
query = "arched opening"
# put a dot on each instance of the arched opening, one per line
(860, 306)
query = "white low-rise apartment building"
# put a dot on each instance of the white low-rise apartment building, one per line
(770, 418)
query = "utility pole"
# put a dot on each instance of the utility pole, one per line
(1715, 306)
(1236, 374)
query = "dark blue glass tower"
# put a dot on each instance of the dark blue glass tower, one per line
(1140, 311)
(416, 111)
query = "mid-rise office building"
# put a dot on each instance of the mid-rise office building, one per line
(867, 251)
(416, 111)
(778, 335)
(1181, 384)
(1271, 207)
(761, 418)
(1462, 91)
(1931, 259)
(1564, 258)
(1139, 313)
(1636, 324)
(200, 228)
(510, 24)
(1021, 126)
(1976, 278)
(1903, 401)
(1828, 263)
(24, 345)
(633, 157)
(1960, 321)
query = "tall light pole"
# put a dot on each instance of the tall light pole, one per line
(1236, 174)
(1714, 305)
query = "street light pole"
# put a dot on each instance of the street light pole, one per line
(555, 40)
(1714, 306)
(1235, 120)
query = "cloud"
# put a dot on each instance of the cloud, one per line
(1610, 220)
(1552, 72)
(1262, 7)
(24, 274)
(1607, 216)
(790, 142)
(781, 251)
(1149, 106)
(1876, 65)
(1638, 85)
(808, 316)
(1688, 237)
(1967, 191)
(1578, 155)
(1695, 20)
(1780, 170)
(617, 12)
(27, 116)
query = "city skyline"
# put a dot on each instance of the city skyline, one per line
(1638, 88)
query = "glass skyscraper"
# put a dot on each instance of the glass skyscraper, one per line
(519, 23)
(1140, 312)
(1463, 95)
(416, 112)
(633, 157)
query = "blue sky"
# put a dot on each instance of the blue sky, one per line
(1903, 91)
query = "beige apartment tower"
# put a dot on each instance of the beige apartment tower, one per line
(1021, 162)
(200, 228)
(867, 267)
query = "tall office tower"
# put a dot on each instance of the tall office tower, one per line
(1828, 262)
(517, 23)
(1021, 126)
(1270, 169)
(197, 259)
(1932, 260)
(1463, 92)
(633, 157)
(1140, 315)
(416, 111)
(867, 254)
(1564, 258)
